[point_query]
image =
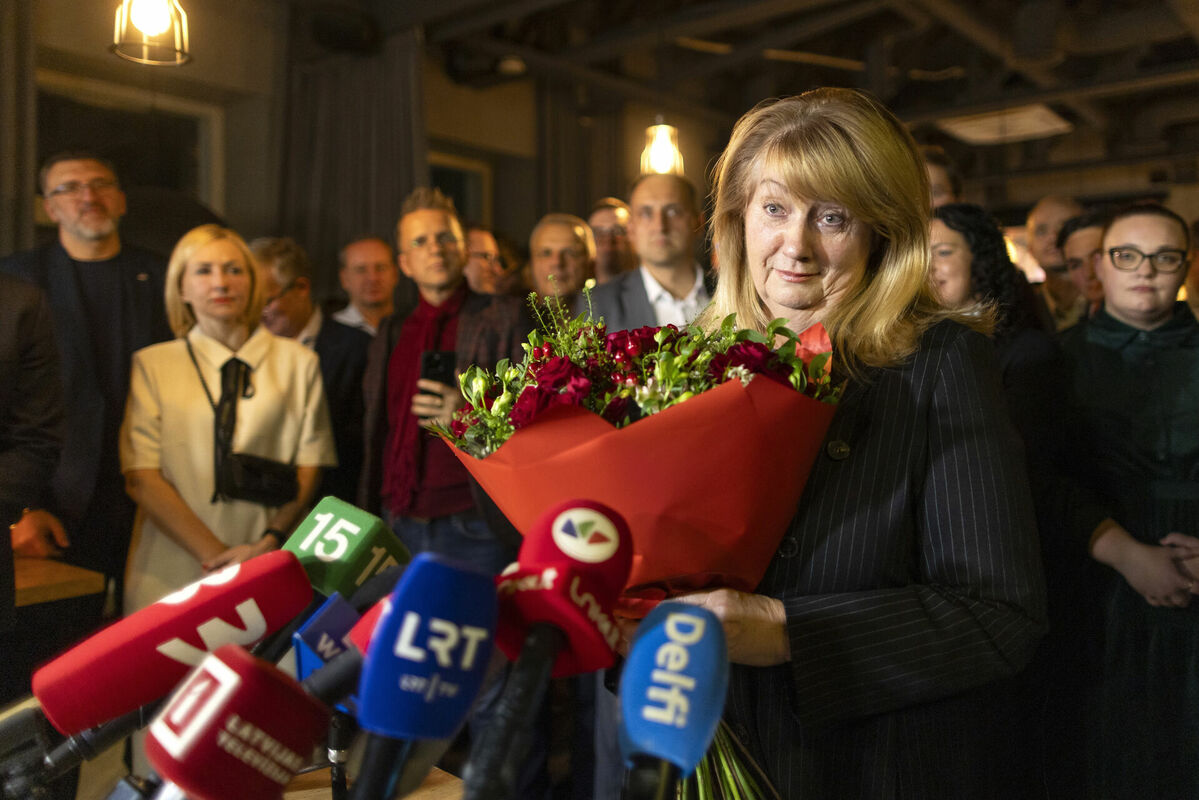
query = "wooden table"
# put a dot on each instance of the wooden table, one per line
(44, 580)
(315, 786)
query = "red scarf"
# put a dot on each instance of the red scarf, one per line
(421, 477)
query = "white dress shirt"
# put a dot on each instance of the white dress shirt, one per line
(668, 309)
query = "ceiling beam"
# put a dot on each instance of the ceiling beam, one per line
(780, 39)
(695, 21)
(553, 66)
(1180, 76)
(985, 36)
(496, 13)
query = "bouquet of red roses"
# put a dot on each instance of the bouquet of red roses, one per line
(701, 440)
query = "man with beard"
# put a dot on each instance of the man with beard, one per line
(106, 301)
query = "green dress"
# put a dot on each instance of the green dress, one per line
(1137, 394)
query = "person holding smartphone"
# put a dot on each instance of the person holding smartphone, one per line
(411, 384)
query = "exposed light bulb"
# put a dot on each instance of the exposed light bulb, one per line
(151, 17)
(661, 151)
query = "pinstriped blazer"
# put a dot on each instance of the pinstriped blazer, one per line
(910, 576)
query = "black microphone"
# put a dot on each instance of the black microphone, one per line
(424, 666)
(556, 620)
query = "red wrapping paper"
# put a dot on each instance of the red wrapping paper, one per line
(707, 486)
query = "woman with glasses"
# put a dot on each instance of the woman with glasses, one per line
(1136, 387)
(224, 386)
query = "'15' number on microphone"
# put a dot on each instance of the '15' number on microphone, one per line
(333, 544)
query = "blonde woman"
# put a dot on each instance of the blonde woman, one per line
(187, 522)
(909, 578)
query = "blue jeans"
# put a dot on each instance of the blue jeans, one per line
(463, 536)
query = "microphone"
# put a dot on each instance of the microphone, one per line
(424, 665)
(237, 727)
(555, 620)
(341, 548)
(672, 692)
(140, 658)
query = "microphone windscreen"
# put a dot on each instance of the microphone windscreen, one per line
(237, 727)
(140, 658)
(572, 566)
(430, 651)
(324, 633)
(341, 547)
(673, 686)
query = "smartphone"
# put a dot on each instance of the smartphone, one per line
(438, 365)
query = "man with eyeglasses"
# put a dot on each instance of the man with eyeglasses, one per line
(609, 223)
(410, 384)
(286, 276)
(486, 272)
(1059, 292)
(422, 490)
(106, 300)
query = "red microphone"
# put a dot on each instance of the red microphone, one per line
(237, 727)
(555, 619)
(140, 658)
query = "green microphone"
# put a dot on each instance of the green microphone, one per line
(341, 546)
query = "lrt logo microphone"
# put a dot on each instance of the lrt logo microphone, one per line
(196, 702)
(585, 535)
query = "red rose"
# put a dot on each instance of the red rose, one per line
(616, 410)
(532, 401)
(462, 420)
(554, 372)
(755, 357)
(814, 341)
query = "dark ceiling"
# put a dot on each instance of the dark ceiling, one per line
(1123, 74)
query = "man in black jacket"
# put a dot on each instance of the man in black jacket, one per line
(289, 311)
(106, 302)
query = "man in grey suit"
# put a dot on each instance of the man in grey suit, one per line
(668, 287)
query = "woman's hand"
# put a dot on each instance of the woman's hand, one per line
(1155, 574)
(755, 626)
(436, 402)
(238, 554)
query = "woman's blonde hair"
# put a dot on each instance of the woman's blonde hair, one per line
(844, 146)
(179, 314)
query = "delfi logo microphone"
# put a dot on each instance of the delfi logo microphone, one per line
(673, 686)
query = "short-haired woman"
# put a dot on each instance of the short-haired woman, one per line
(185, 527)
(1136, 387)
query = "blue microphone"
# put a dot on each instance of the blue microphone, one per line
(672, 693)
(424, 666)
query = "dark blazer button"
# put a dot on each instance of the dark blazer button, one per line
(837, 450)
(788, 548)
